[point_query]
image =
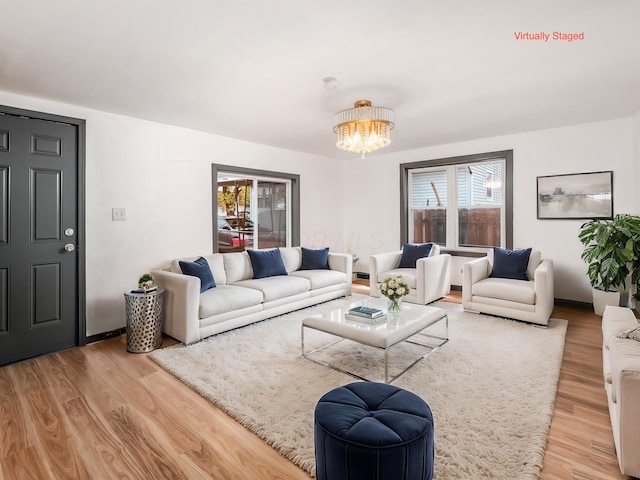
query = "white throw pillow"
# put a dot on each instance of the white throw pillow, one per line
(216, 264)
(292, 258)
(535, 259)
(237, 266)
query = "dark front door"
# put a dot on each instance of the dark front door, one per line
(38, 237)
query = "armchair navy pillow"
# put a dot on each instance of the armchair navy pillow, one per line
(200, 268)
(510, 263)
(315, 259)
(266, 263)
(411, 252)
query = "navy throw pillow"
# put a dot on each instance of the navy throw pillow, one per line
(411, 252)
(200, 268)
(510, 263)
(266, 263)
(313, 259)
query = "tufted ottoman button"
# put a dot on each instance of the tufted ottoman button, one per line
(373, 431)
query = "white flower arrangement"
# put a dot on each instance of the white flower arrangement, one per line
(394, 287)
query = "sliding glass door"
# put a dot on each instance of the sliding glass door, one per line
(252, 211)
(273, 218)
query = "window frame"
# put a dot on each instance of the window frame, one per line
(405, 168)
(294, 179)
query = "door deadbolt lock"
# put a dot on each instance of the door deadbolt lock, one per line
(69, 232)
(69, 247)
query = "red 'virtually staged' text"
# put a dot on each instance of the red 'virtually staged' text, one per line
(545, 36)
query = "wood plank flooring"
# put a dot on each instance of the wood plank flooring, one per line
(580, 445)
(99, 412)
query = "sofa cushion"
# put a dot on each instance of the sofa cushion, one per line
(266, 263)
(616, 320)
(237, 266)
(216, 263)
(606, 366)
(291, 257)
(506, 289)
(315, 259)
(277, 287)
(625, 360)
(510, 264)
(321, 278)
(199, 268)
(409, 275)
(227, 298)
(412, 252)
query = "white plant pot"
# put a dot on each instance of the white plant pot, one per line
(602, 298)
(627, 298)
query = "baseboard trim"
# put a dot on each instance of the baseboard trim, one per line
(106, 335)
(572, 303)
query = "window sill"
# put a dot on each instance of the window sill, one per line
(466, 252)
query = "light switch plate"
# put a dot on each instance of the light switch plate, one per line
(118, 214)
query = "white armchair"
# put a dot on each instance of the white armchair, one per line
(528, 300)
(428, 282)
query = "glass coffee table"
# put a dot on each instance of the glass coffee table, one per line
(409, 325)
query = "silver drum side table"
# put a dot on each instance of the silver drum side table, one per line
(144, 320)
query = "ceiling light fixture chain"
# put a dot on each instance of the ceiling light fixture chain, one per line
(363, 128)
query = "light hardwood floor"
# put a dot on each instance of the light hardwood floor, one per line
(99, 412)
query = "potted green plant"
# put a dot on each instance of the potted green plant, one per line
(612, 251)
(146, 282)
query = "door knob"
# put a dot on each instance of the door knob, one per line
(69, 247)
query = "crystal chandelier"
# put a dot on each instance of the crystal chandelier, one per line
(364, 128)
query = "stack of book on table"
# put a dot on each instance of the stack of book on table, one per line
(366, 315)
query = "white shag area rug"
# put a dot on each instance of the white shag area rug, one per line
(491, 388)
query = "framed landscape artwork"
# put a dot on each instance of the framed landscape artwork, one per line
(576, 195)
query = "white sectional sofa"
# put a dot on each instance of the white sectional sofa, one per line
(621, 366)
(238, 299)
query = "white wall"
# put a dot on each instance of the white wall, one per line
(374, 205)
(162, 176)
(636, 161)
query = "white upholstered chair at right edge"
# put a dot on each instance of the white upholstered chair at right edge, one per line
(528, 300)
(428, 282)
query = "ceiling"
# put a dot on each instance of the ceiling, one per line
(253, 69)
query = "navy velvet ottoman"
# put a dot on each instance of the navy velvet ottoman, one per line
(368, 430)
